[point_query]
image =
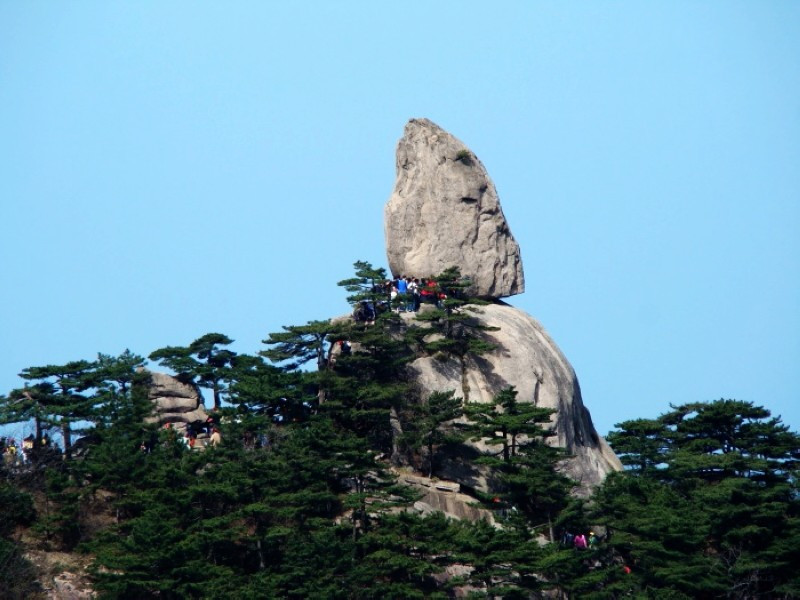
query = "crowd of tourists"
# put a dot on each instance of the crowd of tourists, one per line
(14, 453)
(581, 541)
(404, 294)
(190, 433)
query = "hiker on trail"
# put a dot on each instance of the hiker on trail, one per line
(402, 285)
(364, 313)
(402, 293)
(216, 437)
(10, 456)
(211, 421)
(593, 541)
(428, 292)
(27, 448)
(440, 298)
(580, 542)
(412, 295)
(417, 294)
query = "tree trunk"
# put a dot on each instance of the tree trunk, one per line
(261, 563)
(217, 399)
(397, 432)
(66, 433)
(38, 424)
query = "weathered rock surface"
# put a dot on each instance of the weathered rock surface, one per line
(444, 496)
(175, 401)
(444, 212)
(527, 358)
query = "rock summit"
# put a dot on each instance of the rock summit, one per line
(444, 212)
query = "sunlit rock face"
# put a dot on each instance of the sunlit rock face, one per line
(444, 212)
(527, 358)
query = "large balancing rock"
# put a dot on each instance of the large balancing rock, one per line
(444, 212)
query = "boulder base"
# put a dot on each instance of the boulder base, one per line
(527, 358)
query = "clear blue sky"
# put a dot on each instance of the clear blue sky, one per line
(169, 169)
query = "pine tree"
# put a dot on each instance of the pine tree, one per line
(28, 404)
(368, 285)
(203, 362)
(640, 444)
(525, 467)
(59, 395)
(427, 424)
(121, 437)
(453, 317)
(261, 389)
(715, 515)
(507, 423)
(297, 345)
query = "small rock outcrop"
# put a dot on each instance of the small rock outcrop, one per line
(444, 212)
(444, 496)
(175, 401)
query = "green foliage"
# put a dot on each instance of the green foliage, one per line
(59, 523)
(367, 284)
(640, 444)
(369, 385)
(301, 499)
(428, 424)
(464, 156)
(297, 345)
(505, 421)
(16, 507)
(17, 574)
(526, 475)
(453, 318)
(266, 391)
(711, 513)
(58, 397)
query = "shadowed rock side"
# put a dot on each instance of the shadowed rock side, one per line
(444, 212)
(529, 360)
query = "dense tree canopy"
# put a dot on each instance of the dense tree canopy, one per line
(711, 503)
(301, 498)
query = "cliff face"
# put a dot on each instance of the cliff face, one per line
(443, 212)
